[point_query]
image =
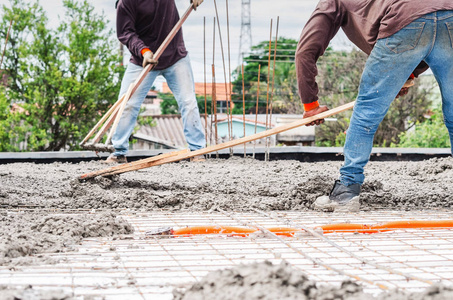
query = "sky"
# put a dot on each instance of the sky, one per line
(293, 14)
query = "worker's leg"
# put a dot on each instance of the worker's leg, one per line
(390, 64)
(440, 61)
(120, 138)
(180, 80)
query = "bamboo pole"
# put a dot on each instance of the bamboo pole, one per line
(267, 92)
(112, 109)
(256, 108)
(224, 74)
(273, 81)
(6, 41)
(229, 74)
(243, 108)
(205, 96)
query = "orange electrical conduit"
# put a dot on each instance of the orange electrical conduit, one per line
(330, 228)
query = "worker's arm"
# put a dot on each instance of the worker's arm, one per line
(315, 38)
(125, 27)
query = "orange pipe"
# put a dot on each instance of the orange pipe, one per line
(389, 226)
(415, 224)
(330, 228)
(230, 230)
(284, 231)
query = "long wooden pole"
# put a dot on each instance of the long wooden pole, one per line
(6, 41)
(243, 107)
(112, 109)
(256, 109)
(266, 142)
(160, 160)
(272, 89)
(205, 95)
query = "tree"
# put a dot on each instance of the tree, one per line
(169, 105)
(339, 79)
(63, 78)
(339, 74)
(283, 68)
(430, 133)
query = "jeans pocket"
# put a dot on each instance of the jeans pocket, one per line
(450, 31)
(405, 39)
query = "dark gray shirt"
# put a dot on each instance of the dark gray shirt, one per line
(363, 21)
(145, 24)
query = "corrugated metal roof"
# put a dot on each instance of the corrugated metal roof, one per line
(169, 128)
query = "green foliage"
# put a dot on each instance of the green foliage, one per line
(430, 133)
(339, 79)
(284, 98)
(63, 78)
(169, 105)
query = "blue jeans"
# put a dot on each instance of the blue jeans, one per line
(393, 59)
(180, 80)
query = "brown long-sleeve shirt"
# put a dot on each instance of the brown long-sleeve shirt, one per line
(363, 21)
(144, 24)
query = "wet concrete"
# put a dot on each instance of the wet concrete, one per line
(266, 281)
(26, 236)
(45, 208)
(233, 184)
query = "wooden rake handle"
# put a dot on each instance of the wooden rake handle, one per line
(180, 155)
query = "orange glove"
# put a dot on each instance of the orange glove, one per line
(312, 109)
(148, 57)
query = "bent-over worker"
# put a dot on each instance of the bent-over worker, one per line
(402, 38)
(142, 26)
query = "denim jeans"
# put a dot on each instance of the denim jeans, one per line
(393, 59)
(180, 80)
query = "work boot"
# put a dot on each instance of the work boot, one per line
(113, 159)
(198, 158)
(341, 199)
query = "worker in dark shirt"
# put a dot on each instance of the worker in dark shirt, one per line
(402, 38)
(142, 26)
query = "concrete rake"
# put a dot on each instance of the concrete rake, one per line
(187, 154)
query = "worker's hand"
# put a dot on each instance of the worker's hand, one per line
(403, 92)
(196, 3)
(405, 89)
(313, 112)
(148, 58)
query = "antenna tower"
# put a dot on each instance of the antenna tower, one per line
(246, 31)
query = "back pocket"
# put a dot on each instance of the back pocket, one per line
(406, 39)
(450, 32)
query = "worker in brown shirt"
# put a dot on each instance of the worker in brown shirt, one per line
(143, 26)
(402, 38)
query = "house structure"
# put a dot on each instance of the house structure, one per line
(219, 89)
(167, 131)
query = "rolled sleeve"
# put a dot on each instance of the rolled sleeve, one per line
(125, 28)
(314, 40)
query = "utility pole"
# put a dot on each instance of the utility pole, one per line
(246, 31)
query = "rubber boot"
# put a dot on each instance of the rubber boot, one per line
(341, 199)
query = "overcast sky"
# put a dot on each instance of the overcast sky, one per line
(293, 15)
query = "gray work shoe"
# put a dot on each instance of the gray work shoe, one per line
(113, 159)
(341, 199)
